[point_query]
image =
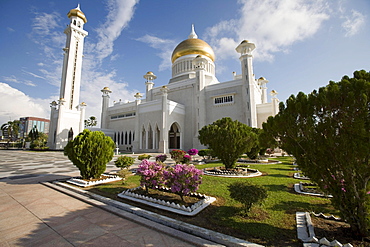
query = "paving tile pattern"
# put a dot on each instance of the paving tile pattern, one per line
(32, 214)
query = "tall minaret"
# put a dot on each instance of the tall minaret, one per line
(245, 48)
(66, 115)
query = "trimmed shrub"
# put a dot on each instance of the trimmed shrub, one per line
(124, 162)
(247, 194)
(186, 159)
(177, 155)
(144, 157)
(205, 152)
(90, 152)
(161, 158)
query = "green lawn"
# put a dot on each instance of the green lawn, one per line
(272, 223)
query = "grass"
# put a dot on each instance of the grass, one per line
(272, 223)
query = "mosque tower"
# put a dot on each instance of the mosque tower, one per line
(67, 115)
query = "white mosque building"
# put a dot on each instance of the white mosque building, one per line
(169, 117)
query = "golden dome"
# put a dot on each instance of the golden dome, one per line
(193, 46)
(77, 12)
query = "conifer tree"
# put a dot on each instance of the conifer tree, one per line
(228, 139)
(328, 132)
(90, 151)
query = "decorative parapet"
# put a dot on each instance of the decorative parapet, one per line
(298, 175)
(299, 189)
(306, 233)
(85, 183)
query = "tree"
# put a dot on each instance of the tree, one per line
(12, 128)
(39, 142)
(91, 121)
(259, 146)
(228, 139)
(247, 194)
(33, 134)
(124, 162)
(328, 132)
(90, 151)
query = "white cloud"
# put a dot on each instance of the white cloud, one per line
(44, 23)
(165, 46)
(353, 23)
(10, 29)
(120, 14)
(12, 78)
(33, 74)
(93, 77)
(15, 104)
(273, 25)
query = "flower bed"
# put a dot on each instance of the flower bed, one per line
(192, 210)
(237, 172)
(105, 178)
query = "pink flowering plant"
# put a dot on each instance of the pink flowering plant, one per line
(186, 159)
(193, 151)
(177, 155)
(151, 174)
(183, 179)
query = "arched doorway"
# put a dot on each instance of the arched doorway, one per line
(174, 136)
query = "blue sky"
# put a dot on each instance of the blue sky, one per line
(301, 45)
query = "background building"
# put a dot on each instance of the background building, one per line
(27, 123)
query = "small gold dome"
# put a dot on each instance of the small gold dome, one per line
(193, 46)
(77, 12)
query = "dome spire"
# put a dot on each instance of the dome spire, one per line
(192, 35)
(78, 7)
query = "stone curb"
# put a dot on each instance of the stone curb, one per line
(199, 236)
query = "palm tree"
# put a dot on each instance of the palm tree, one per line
(91, 121)
(12, 129)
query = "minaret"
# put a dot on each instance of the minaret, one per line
(72, 63)
(66, 116)
(149, 76)
(105, 104)
(245, 48)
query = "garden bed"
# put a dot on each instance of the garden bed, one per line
(236, 172)
(163, 199)
(104, 178)
(271, 224)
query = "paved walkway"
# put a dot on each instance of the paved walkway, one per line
(32, 214)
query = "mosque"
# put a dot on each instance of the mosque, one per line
(166, 117)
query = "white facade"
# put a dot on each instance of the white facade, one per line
(170, 116)
(67, 115)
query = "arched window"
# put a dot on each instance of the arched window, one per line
(150, 137)
(126, 138)
(129, 138)
(143, 138)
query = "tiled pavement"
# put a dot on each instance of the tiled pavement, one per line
(32, 214)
